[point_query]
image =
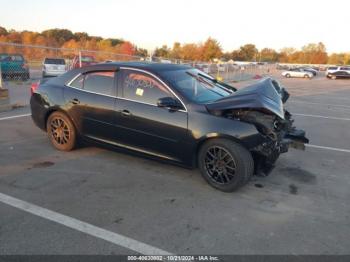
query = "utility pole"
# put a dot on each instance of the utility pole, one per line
(79, 58)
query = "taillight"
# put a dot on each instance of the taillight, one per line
(34, 87)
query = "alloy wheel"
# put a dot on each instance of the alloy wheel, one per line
(219, 165)
(60, 131)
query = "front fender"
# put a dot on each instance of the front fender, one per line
(205, 126)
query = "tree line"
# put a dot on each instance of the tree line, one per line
(64, 38)
(313, 53)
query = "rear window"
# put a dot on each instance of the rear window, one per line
(87, 59)
(54, 61)
(17, 58)
(3, 56)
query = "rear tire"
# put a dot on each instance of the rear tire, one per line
(333, 77)
(225, 165)
(306, 76)
(61, 131)
(288, 75)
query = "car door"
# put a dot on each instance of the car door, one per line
(297, 73)
(143, 125)
(90, 100)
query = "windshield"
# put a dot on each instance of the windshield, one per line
(196, 85)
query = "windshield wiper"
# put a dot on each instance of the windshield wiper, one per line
(218, 82)
(200, 79)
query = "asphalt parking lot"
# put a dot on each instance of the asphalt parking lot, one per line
(97, 201)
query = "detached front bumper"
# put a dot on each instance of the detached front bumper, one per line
(295, 139)
(292, 139)
(267, 153)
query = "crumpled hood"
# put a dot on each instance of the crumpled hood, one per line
(262, 95)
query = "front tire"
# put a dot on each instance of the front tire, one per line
(61, 131)
(225, 165)
(288, 75)
(333, 77)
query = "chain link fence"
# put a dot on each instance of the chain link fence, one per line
(23, 63)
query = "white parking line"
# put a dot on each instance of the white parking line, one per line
(319, 116)
(12, 117)
(81, 226)
(314, 103)
(329, 148)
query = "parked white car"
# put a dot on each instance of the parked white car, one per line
(297, 72)
(221, 67)
(331, 70)
(54, 67)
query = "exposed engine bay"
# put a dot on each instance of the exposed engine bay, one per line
(262, 105)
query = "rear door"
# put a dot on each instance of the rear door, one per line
(141, 123)
(90, 100)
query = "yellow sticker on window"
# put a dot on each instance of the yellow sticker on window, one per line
(139, 91)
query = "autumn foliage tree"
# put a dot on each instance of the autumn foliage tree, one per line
(209, 50)
(63, 38)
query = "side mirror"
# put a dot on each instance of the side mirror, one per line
(169, 102)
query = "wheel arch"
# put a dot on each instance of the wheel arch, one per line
(212, 136)
(58, 109)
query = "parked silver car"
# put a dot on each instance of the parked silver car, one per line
(54, 67)
(297, 72)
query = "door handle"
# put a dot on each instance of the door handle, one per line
(75, 101)
(126, 113)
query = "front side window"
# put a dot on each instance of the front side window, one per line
(101, 82)
(143, 88)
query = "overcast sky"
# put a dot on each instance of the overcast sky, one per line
(150, 23)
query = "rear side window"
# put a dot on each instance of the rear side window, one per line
(101, 82)
(332, 68)
(78, 82)
(345, 68)
(54, 61)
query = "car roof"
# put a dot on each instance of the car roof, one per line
(148, 66)
(154, 68)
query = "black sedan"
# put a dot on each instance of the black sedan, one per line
(171, 112)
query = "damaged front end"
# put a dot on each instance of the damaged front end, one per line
(262, 105)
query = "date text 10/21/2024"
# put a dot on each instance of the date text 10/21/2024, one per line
(173, 258)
